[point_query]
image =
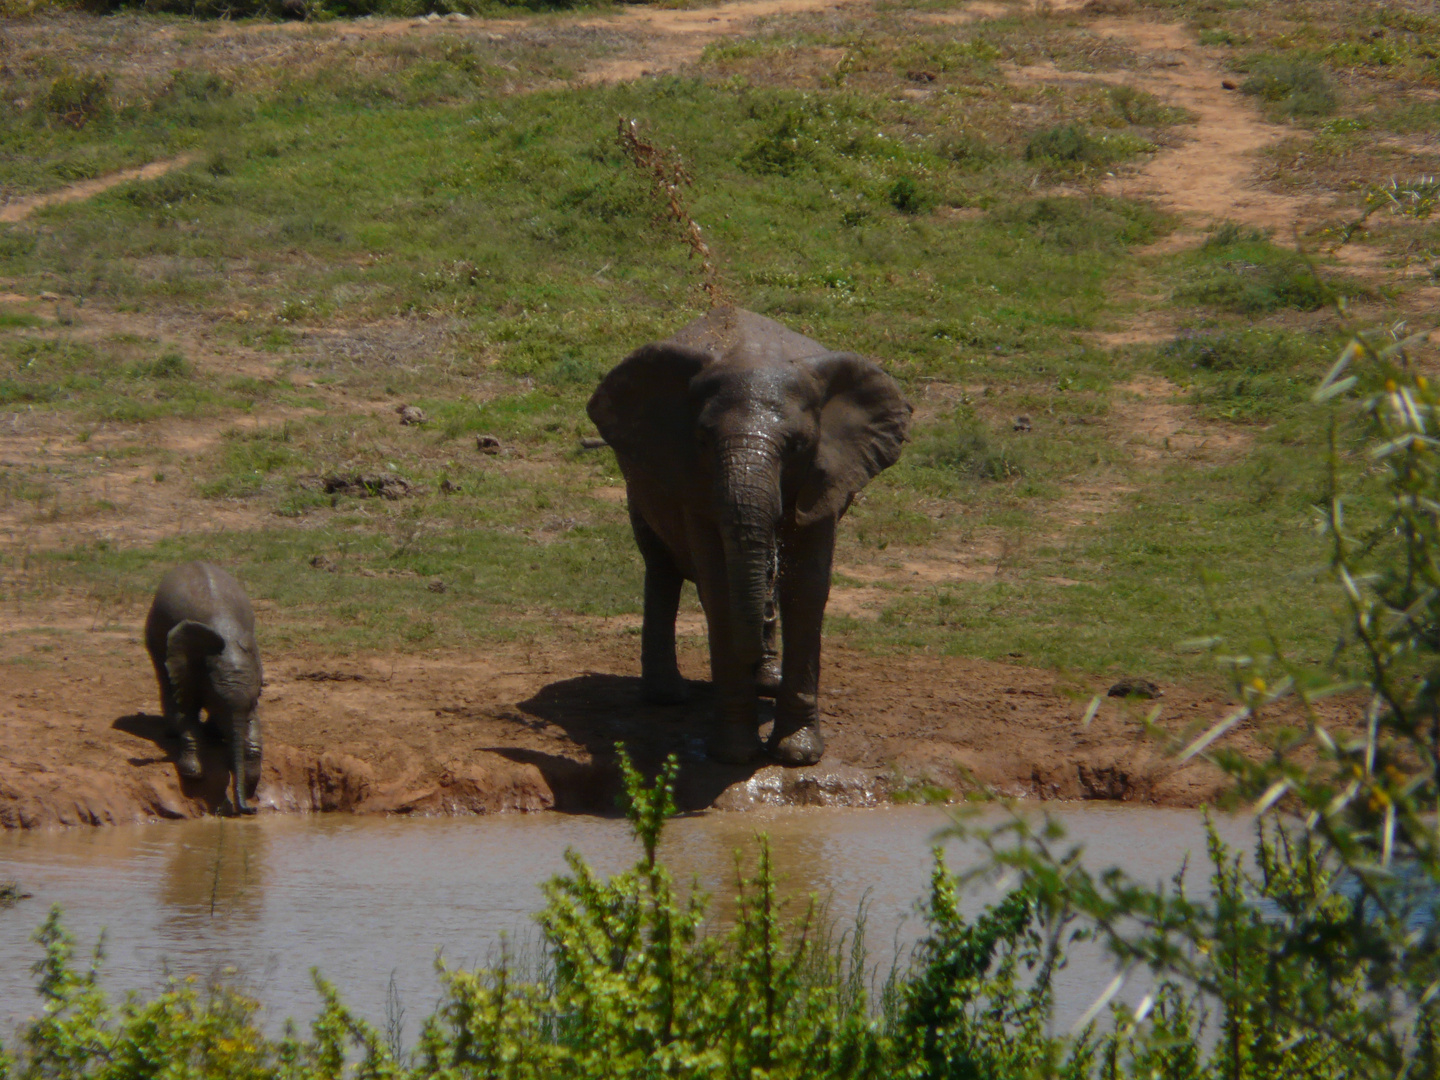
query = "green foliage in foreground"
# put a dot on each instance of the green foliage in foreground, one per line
(636, 984)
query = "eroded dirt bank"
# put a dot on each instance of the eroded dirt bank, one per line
(533, 727)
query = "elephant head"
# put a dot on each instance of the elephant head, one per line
(763, 429)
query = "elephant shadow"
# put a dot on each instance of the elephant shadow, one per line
(213, 786)
(597, 711)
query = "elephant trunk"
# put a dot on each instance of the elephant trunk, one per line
(749, 477)
(239, 736)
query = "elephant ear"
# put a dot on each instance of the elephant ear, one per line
(187, 644)
(864, 421)
(644, 412)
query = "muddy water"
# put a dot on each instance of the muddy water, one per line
(372, 901)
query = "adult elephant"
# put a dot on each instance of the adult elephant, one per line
(742, 444)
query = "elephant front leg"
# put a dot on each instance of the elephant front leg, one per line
(804, 589)
(737, 721)
(660, 680)
(182, 722)
(187, 726)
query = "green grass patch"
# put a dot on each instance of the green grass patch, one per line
(1071, 147)
(1290, 86)
(1241, 272)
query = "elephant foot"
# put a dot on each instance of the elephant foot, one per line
(767, 678)
(671, 690)
(188, 763)
(803, 746)
(735, 744)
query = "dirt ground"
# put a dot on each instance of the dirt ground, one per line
(533, 727)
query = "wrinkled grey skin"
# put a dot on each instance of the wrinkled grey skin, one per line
(742, 444)
(201, 637)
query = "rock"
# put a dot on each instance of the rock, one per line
(410, 414)
(487, 444)
(1022, 423)
(436, 586)
(813, 785)
(592, 443)
(1140, 688)
(458, 16)
(323, 562)
(1226, 84)
(50, 297)
(448, 486)
(920, 76)
(383, 486)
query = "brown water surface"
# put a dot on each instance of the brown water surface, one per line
(367, 900)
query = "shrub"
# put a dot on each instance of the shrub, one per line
(1267, 280)
(1292, 87)
(784, 148)
(77, 97)
(1324, 960)
(1072, 147)
(169, 365)
(191, 85)
(169, 190)
(966, 447)
(906, 196)
(1068, 143)
(1239, 350)
(1077, 224)
(1143, 108)
(1230, 233)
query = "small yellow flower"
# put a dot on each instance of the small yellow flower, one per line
(1258, 683)
(1378, 800)
(1390, 386)
(1422, 382)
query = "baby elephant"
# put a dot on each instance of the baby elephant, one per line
(201, 638)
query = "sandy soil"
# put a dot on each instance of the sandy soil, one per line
(533, 727)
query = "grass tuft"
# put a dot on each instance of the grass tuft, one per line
(1291, 86)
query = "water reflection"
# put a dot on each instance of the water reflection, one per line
(264, 901)
(216, 868)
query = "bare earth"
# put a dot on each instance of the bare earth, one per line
(533, 727)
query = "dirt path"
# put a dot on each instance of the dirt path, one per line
(679, 37)
(20, 209)
(1210, 176)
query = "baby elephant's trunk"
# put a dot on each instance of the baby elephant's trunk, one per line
(237, 762)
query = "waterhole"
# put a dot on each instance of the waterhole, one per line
(372, 902)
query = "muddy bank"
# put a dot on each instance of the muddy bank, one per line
(533, 728)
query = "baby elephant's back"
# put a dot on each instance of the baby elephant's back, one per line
(202, 593)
